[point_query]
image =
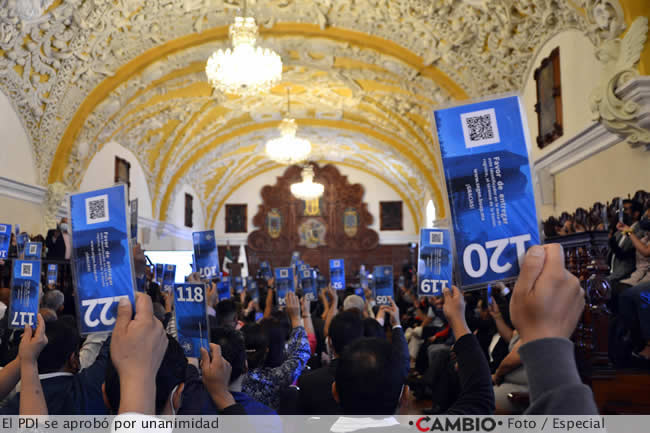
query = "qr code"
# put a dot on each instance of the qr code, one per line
(480, 128)
(97, 209)
(26, 270)
(284, 273)
(306, 274)
(435, 238)
(3, 229)
(33, 249)
(336, 264)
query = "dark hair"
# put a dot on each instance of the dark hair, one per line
(345, 328)
(257, 344)
(372, 328)
(635, 206)
(368, 379)
(226, 311)
(62, 341)
(171, 373)
(233, 349)
(277, 331)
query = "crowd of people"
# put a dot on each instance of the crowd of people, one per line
(341, 354)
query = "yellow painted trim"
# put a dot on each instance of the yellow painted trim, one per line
(369, 131)
(136, 65)
(272, 166)
(632, 9)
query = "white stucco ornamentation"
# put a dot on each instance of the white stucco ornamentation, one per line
(56, 193)
(621, 57)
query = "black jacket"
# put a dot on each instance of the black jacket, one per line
(55, 248)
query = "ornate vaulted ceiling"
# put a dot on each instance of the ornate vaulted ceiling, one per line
(364, 76)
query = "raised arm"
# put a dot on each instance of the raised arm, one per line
(476, 393)
(333, 310)
(502, 327)
(545, 307)
(32, 400)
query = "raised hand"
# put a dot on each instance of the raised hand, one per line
(137, 349)
(547, 300)
(216, 376)
(293, 309)
(32, 342)
(454, 310)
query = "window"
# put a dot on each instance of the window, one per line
(236, 218)
(189, 212)
(123, 172)
(549, 100)
(431, 214)
(390, 215)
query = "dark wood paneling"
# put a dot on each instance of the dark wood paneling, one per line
(356, 247)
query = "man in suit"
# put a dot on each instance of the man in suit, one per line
(315, 385)
(58, 241)
(67, 390)
(346, 328)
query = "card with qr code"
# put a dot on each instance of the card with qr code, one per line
(5, 238)
(435, 262)
(102, 259)
(169, 278)
(25, 293)
(484, 147)
(337, 274)
(283, 284)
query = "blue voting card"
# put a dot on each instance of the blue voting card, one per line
(168, 278)
(485, 158)
(159, 273)
(102, 260)
(265, 270)
(238, 284)
(283, 284)
(206, 255)
(133, 207)
(337, 274)
(308, 284)
(435, 262)
(21, 240)
(191, 310)
(251, 288)
(17, 230)
(52, 274)
(5, 238)
(223, 290)
(25, 293)
(383, 278)
(33, 250)
(363, 277)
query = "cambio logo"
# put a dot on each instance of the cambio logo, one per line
(457, 424)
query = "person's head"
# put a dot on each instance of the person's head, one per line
(354, 302)
(346, 327)
(63, 224)
(170, 382)
(62, 350)
(233, 349)
(372, 328)
(226, 313)
(257, 345)
(368, 379)
(632, 211)
(49, 315)
(277, 330)
(53, 299)
(5, 295)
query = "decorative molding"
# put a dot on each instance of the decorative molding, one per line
(621, 57)
(594, 138)
(22, 191)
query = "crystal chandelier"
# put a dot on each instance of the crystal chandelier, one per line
(307, 189)
(288, 149)
(245, 69)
